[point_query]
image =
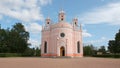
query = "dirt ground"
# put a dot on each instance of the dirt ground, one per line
(85, 62)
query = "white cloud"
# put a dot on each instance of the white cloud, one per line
(28, 11)
(44, 2)
(109, 14)
(0, 17)
(35, 43)
(86, 34)
(101, 40)
(34, 28)
(24, 10)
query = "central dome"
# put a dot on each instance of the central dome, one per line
(62, 24)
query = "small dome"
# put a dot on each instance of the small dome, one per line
(61, 11)
(48, 18)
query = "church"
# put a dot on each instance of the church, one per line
(61, 39)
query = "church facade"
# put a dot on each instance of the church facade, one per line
(61, 38)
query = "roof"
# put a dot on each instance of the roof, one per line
(62, 24)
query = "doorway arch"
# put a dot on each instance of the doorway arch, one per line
(62, 51)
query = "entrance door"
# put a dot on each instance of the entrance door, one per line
(62, 51)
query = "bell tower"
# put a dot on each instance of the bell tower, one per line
(75, 22)
(61, 16)
(48, 21)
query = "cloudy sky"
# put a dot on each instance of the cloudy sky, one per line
(100, 19)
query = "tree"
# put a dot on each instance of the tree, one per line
(4, 40)
(18, 38)
(29, 52)
(89, 50)
(0, 26)
(102, 49)
(117, 37)
(114, 45)
(38, 51)
(15, 40)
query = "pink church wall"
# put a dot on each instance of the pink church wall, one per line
(51, 34)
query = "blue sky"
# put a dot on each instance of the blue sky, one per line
(100, 19)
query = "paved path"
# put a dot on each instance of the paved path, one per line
(59, 62)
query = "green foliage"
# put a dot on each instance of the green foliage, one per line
(14, 40)
(108, 55)
(117, 36)
(18, 32)
(102, 49)
(89, 50)
(114, 45)
(38, 51)
(31, 52)
(4, 35)
(10, 55)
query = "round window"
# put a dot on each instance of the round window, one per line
(62, 34)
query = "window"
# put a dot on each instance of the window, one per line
(62, 34)
(75, 23)
(45, 47)
(62, 19)
(47, 22)
(78, 47)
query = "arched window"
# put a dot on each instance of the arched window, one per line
(78, 47)
(61, 19)
(45, 47)
(47, 22)
(75, 23)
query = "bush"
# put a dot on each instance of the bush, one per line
(108, 56)
(10, 55)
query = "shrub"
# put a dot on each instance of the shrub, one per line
(108, 56)
(10, 55)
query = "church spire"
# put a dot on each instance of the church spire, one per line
(75, 21)
(61, 16)
(48, 21)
